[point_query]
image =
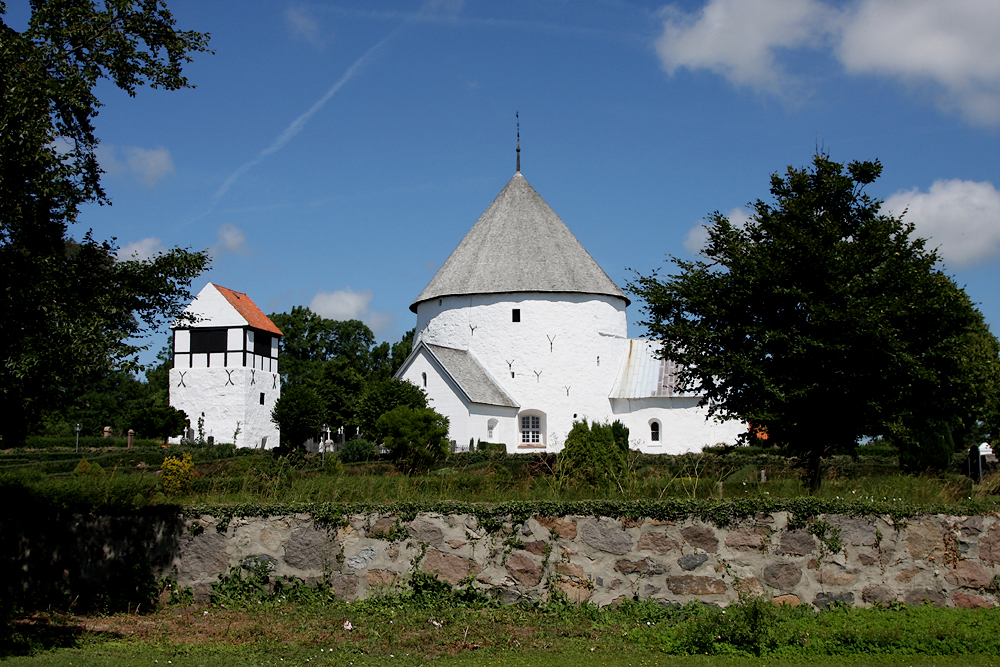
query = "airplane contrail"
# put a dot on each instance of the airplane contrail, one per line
(296, 125)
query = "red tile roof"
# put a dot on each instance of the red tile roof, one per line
(249, 310)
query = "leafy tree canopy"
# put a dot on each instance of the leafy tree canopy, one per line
(69, 310)
(159, 421)
(298, 414)
(824, 320)
(382, 397)
(417, 438)
(336, 359)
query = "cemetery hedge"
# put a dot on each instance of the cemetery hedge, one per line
(720, 482)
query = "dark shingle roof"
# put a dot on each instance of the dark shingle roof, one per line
(473, 379)
(519, 245)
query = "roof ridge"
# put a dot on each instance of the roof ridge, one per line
(248, 310)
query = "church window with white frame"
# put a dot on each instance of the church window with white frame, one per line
(531, 430)
(654, 430)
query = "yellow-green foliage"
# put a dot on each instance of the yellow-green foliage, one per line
(177, 474)
(82, 468)
(85, 467)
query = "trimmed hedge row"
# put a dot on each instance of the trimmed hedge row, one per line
(89, 441)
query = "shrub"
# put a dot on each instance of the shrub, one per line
(86, 468)
(416, 438)
(177, 474)
(355, 451)
(495, 448)
(159, 422)
(595, 453)
(82, 468)
(236, 588)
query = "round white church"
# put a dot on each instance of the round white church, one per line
(515, 346)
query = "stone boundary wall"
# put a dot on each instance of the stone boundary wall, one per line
(941, 559)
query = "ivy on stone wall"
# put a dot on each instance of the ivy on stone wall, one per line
(495, 517)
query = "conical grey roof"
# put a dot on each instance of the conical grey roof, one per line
(519, 245)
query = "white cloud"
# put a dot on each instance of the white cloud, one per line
(952, 46)
(346, 304)
(697, 236)
(961, 218)
(231, 240)
(148, 165)
(443, 8)
(107, 156)
(303, 25)
(144, 249)
(738, 38)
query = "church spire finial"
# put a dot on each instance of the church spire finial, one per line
(518, 117)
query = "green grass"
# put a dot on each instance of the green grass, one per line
(115, 656)
(452, 632)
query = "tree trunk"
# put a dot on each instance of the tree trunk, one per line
(14, 429)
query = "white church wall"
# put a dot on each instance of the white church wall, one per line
(442, 395)
(226, 396)
(565, 352)
(683, 427)
(504, 429)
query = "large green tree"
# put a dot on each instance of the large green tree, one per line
(381, 397)
(70, 311)
(336, 359)
(299, 415)
(311, 340)
(825, 320)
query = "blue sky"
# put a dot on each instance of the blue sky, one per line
(333, 154)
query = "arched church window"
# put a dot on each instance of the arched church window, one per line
(424, 376)
(532, 429)
(654, 431)
(490, 427)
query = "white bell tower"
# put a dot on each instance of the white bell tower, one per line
(225, 371)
